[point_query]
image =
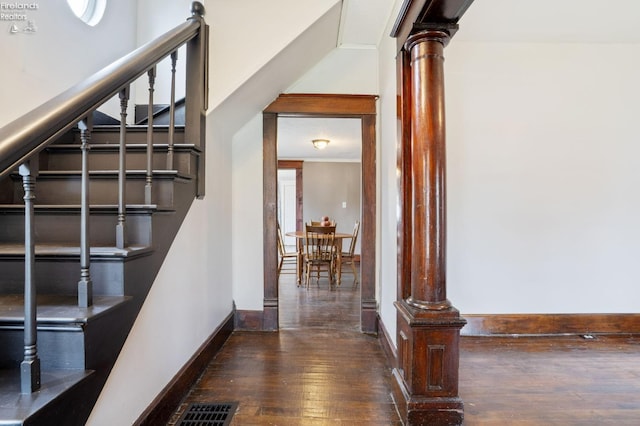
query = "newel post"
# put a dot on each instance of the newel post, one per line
(428, 326)
(197, 89)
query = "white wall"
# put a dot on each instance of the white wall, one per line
(344, 70)
(248, 268)
(543, 176)
(387, 146)
(250, 33)
(156, 18)
(63, 50)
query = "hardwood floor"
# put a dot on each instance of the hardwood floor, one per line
(564, 380)
(319, 370)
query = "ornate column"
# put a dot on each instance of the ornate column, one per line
(426, 378)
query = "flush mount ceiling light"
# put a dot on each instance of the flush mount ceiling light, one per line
(320, 143)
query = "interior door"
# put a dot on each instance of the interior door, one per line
(287, 204)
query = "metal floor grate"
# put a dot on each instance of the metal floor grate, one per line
(198, 414)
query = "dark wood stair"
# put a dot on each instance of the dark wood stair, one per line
(77, 346)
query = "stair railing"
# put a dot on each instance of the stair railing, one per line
(23, 139)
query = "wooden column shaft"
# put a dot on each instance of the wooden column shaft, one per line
(428, 171)
(404, 182)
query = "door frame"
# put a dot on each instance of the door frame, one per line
(297, 166)
(327, 106)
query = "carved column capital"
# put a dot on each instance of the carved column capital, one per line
(440, 36)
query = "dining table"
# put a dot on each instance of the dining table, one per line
(300, 236)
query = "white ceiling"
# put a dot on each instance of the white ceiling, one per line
(296, 133)
(365, 22)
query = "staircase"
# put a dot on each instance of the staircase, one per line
(100, 231)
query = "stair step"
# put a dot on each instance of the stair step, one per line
(63, 328)
(63, 187)
(55, 310)
(61, 224)
(61, 250)
(57, 269)
(107, 157)
(110, 134)
(16, 408)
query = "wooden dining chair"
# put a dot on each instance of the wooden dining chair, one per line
(319, 252)
(286, 258)
(316, 223)
(348, 258)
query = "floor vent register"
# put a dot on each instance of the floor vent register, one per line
(218, 414)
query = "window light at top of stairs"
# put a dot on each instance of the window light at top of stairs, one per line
(89, 11)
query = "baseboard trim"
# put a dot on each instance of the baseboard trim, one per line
(166, 403)
(249, 320)
(549, 324)
(387, 344)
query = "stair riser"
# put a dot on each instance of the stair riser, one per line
(66, 190)
(57, 349)
(65, 228)
(61, 276)
(134, 136)
(84, 344)
(67, 159)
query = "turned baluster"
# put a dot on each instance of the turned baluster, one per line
(85, 286)
(172, 111)
(30, 366)
(121, 226)
(149, 179)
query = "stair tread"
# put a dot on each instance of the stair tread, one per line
(16, 407)
(131, 174)
(57, 309)
(97, 207)
(134, 128)
(110, 146)
(107, 172)
(71, 249)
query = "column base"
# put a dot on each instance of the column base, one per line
(434, 411)
(425, 387)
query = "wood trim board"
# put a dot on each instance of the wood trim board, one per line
(549, 324)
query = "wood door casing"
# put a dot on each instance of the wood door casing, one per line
(322, 105)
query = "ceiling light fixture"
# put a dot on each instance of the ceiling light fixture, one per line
(320, 143)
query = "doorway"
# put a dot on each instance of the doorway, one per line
(287, 203)
(362, 107)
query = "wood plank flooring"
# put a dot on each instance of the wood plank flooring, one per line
(565, 380)
(319, 370)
